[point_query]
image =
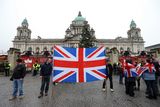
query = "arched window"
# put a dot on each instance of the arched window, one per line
(30, 49)
(114, 50)
(45, 49)
(51, 50)
(107, 49)
(121, 49)
(128, 49)
(37, 49)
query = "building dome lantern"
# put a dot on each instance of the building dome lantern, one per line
(133, 24)
(79, 17)
(25, 23)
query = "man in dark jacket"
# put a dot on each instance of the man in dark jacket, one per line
(45, 73)
(17, 78)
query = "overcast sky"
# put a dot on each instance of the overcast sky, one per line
(50, 18)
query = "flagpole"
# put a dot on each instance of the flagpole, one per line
(52, 89)
(52, 71)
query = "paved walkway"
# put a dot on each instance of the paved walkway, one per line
(74, 95)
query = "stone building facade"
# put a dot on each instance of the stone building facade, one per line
(23, 41)
(154, 50)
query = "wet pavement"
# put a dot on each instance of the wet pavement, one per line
(74, 95)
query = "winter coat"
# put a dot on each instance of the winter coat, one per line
(46, 69)
(19, 71)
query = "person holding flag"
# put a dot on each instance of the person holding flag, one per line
(148, 74)
(109, 71)
(130, 77)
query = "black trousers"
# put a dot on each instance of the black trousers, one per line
(137, 83)
(156, 85)
(121, 78)
(45, 84)
(151, 85)
(35, 72)
(129, 85)
(7, 72)
(111, 82)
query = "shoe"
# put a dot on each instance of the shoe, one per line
(55, 83)
(121, 83)
(21, 97)
(127, 92)
(155, 97)
(131, 95)
(40, 96)
(46, 94)
(103, 89)
(146, 92)
(149, 97)
(12, 98)
(112, 90)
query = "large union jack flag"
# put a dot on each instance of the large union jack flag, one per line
(78, 64)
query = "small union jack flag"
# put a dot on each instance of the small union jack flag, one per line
(130, 70)
(146, 68)
(78, 64)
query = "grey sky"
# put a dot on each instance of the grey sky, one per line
(50, 18)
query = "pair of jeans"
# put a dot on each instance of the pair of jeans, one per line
(111, 82)
(17, 86)
(45, 84)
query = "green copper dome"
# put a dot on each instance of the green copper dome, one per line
(25, 22)
(133, 24)
(79, 17)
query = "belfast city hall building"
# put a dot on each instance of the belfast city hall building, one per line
(23, 41)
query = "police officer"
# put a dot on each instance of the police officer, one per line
(7, 68)
(36, 68)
